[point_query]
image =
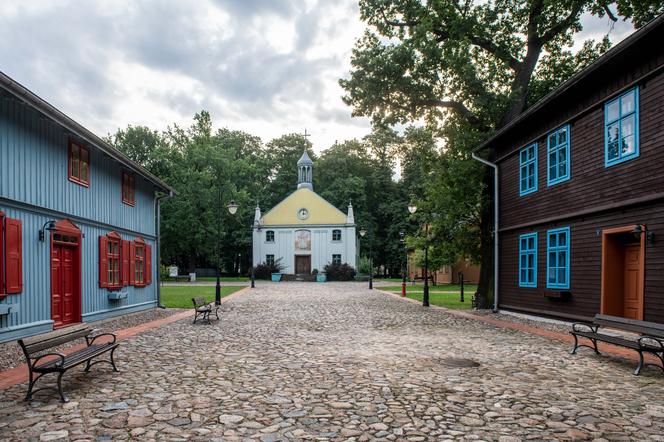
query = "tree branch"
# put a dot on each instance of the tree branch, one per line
(484, 43)
(609, 13)
(564, 24)
(398, 24)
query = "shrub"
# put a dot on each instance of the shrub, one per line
(265, 271)
(339, 272)
(363, 265)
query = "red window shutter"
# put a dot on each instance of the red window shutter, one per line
(14, 255)
(103, 261)
(132, 263)
(148, 264)
(125, 263)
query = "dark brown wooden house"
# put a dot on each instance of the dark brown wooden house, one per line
(581, 191)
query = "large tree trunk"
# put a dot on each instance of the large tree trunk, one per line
(485, 287)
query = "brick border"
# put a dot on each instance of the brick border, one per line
(605, 348)
(19, 374)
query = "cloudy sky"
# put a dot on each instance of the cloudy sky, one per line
(267, 67)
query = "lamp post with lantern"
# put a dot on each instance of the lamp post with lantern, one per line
(404, 264)
(412, 208)
(363, 232)
(232, 209)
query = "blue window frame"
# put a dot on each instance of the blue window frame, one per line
(558, 155)
(528, 260)
(528, 170)
(557, 258)
(621, 128)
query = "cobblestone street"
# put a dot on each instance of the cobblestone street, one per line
(338, 362)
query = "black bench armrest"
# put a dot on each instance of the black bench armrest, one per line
(54, 353)
(577, 327)
(651, 342)
(91, 339)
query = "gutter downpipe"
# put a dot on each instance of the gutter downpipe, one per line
(157, 220)
(495, 227)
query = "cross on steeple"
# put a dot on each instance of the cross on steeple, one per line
(306, 134)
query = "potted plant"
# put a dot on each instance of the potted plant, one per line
(276, 277)
(320, 277)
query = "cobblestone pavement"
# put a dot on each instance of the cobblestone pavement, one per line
(338, 362)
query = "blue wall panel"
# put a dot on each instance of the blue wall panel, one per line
(34, 303)
(33, 162)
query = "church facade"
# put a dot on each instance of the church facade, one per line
(304, 231)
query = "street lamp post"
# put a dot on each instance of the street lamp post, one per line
(232, 208)
(253, 264)
(402, 241)
(363, 232)
(412, 208)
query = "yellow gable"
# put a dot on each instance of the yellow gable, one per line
(304, 206)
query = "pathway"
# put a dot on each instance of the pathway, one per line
(338, 362)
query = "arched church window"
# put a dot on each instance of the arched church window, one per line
(336, 235)
(269, 236)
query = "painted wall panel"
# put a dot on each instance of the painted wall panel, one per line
(33, 165)
(34, 303)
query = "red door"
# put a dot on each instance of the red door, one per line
(65, 293)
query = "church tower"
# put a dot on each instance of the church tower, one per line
(305, 172)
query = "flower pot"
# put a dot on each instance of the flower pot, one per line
(321, 277)
(276, 277)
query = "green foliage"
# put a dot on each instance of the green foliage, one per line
(180, 297)
(463, 69)
(265, 271)
(339, 272)
(364, 265)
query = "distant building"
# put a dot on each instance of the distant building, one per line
(581, 191)
(446, 274)
(304, 232)
(79, 233)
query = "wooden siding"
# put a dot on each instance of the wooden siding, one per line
(33, 161)
(591, 183)
(585, 264)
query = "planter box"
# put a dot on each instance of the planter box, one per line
(321, 277)
(116, 296)
(276, 277)
(4, 309)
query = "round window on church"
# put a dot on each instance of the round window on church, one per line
(302, 213)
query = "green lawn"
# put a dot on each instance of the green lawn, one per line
(447, 295)
(212, 279)
(180, 297)
(442, 288)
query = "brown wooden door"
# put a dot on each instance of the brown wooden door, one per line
(633, 304)
(303, 265)
(65, 296)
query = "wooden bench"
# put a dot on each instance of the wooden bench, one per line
(204, 309)
(651, 340)
(41, 361)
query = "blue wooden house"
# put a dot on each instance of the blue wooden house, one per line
(79, 237)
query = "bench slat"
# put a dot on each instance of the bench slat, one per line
(57, 340)
(54, 334)
(77, 357)
(633, 325)
(616, 340)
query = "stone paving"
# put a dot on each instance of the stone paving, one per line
(338, 362)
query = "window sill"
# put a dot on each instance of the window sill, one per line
(129, 203)
(558, 181)
(79, 182)
(610, 163)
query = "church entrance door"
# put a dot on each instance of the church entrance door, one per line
(303, 264)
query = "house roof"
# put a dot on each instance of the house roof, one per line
(40, 105)
(617, 51)
(319, 211)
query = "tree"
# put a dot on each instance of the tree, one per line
(466, 68)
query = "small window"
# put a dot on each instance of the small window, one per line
(269, 260)
(528, 170)
(528, 260)
(113, 262)
(557, 258)
(269, 236)
(558, 155)
(336, 235)
(621, 128)
(128, 188)
(79, 164)
(139, 266)
(336, 259)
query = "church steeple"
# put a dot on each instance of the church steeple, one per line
(305, 172)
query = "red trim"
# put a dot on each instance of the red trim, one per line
(128, 188)
(66, 227)
(147, 274)
(2, 255)
(125, 263)
(103, 261)
(83, 158)
(14, 255)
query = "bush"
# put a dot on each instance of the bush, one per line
(339, 272)
(364, 266)
(265, 271)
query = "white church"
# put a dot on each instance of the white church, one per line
(304, 231)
